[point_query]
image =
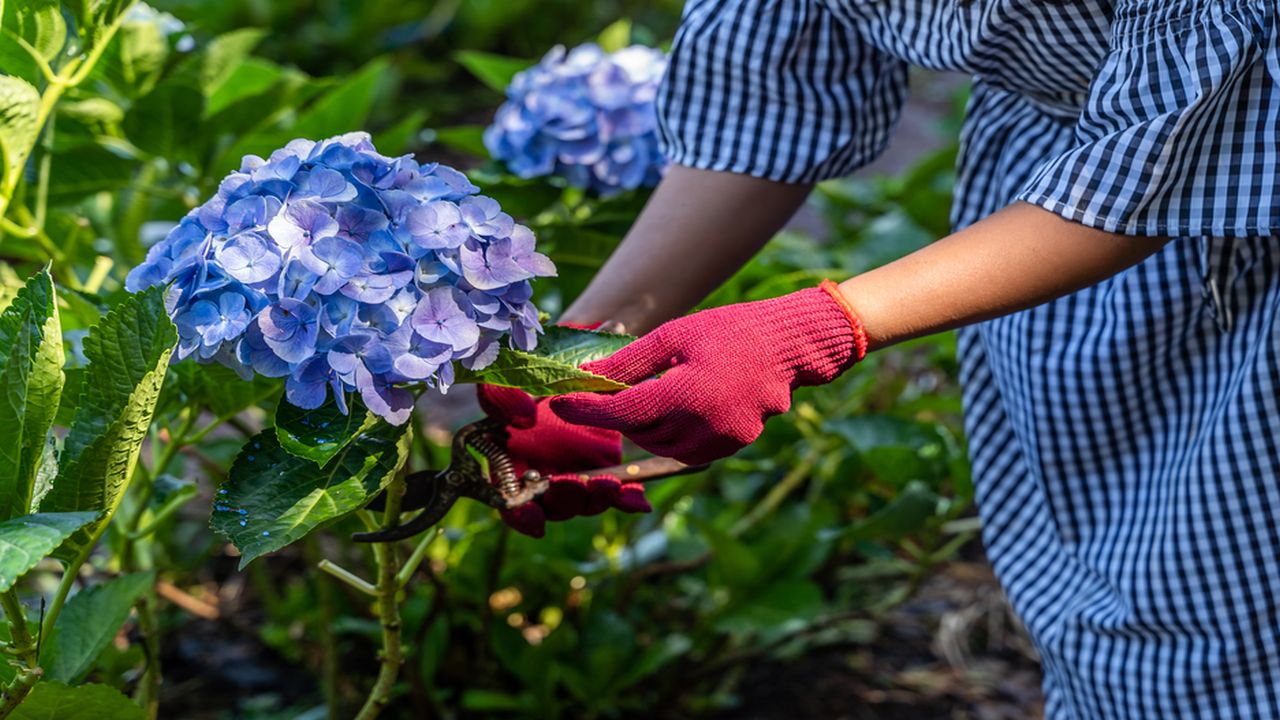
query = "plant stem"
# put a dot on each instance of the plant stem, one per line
(24, 646)
(392, 655)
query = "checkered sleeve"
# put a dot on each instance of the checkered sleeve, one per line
(776, 89)
(1180, 135)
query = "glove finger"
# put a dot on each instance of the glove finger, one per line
(642, 359)
(632, 410)
(631, 499)
(602, 494)
(566, 496)
(508, 406)
(528, 519)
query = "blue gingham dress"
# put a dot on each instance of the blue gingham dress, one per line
(1125, 439)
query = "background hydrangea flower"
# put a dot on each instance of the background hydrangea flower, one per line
(584, 115)
(344, 270)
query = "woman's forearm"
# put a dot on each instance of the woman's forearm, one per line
(1015, 259)
(701, 226)
(697, 230)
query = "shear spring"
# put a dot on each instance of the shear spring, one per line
(500, 465)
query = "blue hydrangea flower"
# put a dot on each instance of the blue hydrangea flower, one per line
(584, 115)
(343, 270)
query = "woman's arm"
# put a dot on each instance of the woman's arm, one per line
(1018, 258)
(703, 385)
(700, 226)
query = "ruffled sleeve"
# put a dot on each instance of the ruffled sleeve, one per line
(778, 89)
(1180, 135)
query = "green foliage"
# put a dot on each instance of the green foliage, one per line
(802, 541)
(273, 498)
(552, 369)
(50, 700)
(25, 540)
(91, 619)
(495, 71)
(317, 435)
(30, 385)
(19, 111)
(128, 353)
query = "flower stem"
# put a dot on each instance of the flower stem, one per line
(24, 647)
(388, 606)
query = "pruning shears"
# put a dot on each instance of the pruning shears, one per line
(493, 482)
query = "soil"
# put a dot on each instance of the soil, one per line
(953, 652)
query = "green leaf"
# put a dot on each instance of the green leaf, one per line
(553, 369)
(24, 541)
(128, 353)
(165, 121)
(213, 65)
(56, 701)
(91, 618)
(215, 388)
(272, 498)
(143, 52)
(496, 71)
(774, 607)
(905, 514)
(317, 435)
(19, 106)
(30, 385)
(39, 23)
(896, 450)
(249, 78)
(88, 170)
(342, 109)
(399, 138)
(134, 60)
(465, 138)
(615, 37)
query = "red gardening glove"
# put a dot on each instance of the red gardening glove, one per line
(724, 371)
(539, 440)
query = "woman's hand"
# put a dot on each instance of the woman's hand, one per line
(539, 440)
(704, 384)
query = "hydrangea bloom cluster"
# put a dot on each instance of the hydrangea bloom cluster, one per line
(342, 269)
(585, 115)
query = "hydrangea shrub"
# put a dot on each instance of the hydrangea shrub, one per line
(584, 115)
(343, 270)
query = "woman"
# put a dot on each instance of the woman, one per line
(1115, 270)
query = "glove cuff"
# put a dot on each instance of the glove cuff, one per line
(817, 333)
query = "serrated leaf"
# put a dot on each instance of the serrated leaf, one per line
(272, 498)
(90, 619)
(19, 108)
(317, 435)
(128, 354)
(40, 24)
(30, 386)
(615, 37)
(496, 71)
(56, 701)
(25, 540)
(553, 369)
